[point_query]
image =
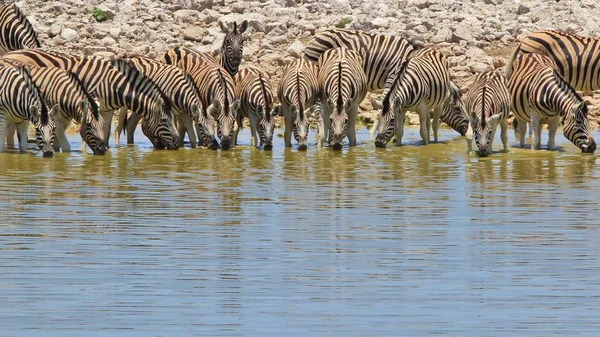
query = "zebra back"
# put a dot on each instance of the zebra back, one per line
(187, 58)
(576, 58)
(381, 54)
(299, 87)
(173, 82)
(341, 78)
(17, 31)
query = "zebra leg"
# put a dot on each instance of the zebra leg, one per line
(185, 124)
(239, 119)
(3, 133)
(325, 124)
(504, 134)
(537, 132)
(120, 124)
(22, 131)
(490, 145)
(437, 112)
(522, 129)
(107, 116)
(424, 122)
(289, 127)
(400, 126)
(552, 127)
(61, 140)
(132, 123)
(351, 132)
(10, 135)
(374, 127)
(469, 138)
(254, 138)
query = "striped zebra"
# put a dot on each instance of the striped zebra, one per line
(488, 105)
(17, 31)
(421, 83)
(113, 90)
(453, 111)
(177, 86)
(540, 94)
(217, 95)
(21, 103)
(575, 58)
(342, 86)
(231, 51)
(63, 88)
(298, 94)
(253, 89)
(381, 54)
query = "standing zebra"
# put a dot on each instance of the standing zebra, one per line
(381, 54)
(253, 89)
(575, 58)
(217, 95)
(488, 104)
(17, 31)
(421, 82)
(21, 103)
(231, 50)
(343, 86)
(298, 93)
(113, 90)
(177, 86)
(63, 88)
(453, 111)
(540, 94)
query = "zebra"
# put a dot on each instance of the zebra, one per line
(381, 54)
(177, 86)
(113, 90)
(231, 50)
(575, 58)
(421, 82)
(453, 111)
(298, 93)
(61, 87)
(342, 87)
(253, 89)
(488, 104)
(540, 94)
(17, 31)
(21, 103)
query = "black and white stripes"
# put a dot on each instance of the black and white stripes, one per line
(17, 31)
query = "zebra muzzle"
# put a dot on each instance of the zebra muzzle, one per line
(226, 143)
(590, 147)
(48, 153)
(100, 149)
(379, 143)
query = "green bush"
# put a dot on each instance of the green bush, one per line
(345, 21)
(98, 14)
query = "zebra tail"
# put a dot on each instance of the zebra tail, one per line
(509, 65)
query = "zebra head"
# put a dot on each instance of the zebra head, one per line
(483, 126)
(205, 128)
(233, 46)
(225, 116)
(159, 126)
(266, 125)
(386, 120)
(301, 119)
(577, 128)
(92, 126)
(453, 111)
(338, 127)
(44, 122)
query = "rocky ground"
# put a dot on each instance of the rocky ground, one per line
(476, 35)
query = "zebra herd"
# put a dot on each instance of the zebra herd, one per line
(194, 93)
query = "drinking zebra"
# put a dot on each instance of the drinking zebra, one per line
(63, 88)
(380, 54)
(253, 89)
(17, 31)
(540, 94)
(113, 90)
(421, 83)
(488, 104)
(343, 86)
(21, 103)
(231, 51)
(177, 86)
(298, 93)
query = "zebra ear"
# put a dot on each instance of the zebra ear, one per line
(214, 109)
(492, 120)
(34, 111)
(276, 110)
(348, 103)
(55, 111)
(329, 103)
(293, 110)
(243, 26)
(236, 105)
(375, 103)
(195, 108)
(260, 111)
(83, 106)
(224, 27)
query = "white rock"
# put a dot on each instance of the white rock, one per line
(69, 34)
(55, 29)
(381, 23)
(193, 34)
(296, 49)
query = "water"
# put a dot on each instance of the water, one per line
(410, 241)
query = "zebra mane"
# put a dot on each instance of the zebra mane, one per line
(564, 84)
(263, 89)
(81, 88)
(26, 24)
(224, 88)
(33, 88)
(190, 81)
(300, 108)
(483, 121)
(130, 71)
(340, 101)
(399, 76)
